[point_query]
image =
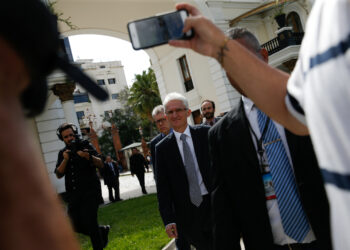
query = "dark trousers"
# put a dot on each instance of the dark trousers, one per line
(141, 178)
(199, 231)
(115, 186)
(82, 209)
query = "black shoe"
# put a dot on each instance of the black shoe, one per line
(105, 232)
(116, 200)
(144, 192)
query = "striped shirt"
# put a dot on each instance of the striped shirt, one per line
(319, 96)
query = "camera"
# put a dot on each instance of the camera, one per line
(78, 144)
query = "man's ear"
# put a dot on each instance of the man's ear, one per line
(264, 54)
(189, 112)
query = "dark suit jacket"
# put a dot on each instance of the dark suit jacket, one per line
(108, 175)
(138, 164)
(238, 198)
(154, 142)
(172, 185)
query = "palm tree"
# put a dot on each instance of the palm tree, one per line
(144, 94)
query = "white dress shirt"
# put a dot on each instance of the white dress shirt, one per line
(279, 237)
(189, 141)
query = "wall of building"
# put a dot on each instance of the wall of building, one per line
(95, 110)
(46, 126)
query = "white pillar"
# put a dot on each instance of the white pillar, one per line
(70, 113)
(65, 92)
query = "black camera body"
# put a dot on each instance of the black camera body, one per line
(78, 144)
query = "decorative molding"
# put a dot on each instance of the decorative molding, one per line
(284, 55)
(64, 91)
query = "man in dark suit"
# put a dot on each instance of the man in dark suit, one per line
(111, 179)
(138, 164)
(247, 197)
(164, 128)
(183, 176)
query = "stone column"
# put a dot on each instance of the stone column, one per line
(65, 92)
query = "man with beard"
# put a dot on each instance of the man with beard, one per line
(77, 162)
(208, 111)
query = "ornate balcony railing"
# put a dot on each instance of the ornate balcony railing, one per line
(283, 40)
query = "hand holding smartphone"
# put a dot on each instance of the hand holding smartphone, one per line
(157, 30)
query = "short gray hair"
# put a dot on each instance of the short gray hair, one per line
(157, 110)
(175, 96)
(243, 33)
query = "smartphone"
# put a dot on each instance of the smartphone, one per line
(157, 30)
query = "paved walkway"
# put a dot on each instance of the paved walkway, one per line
(129, 186)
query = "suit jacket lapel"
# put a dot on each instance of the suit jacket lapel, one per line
(239, 128)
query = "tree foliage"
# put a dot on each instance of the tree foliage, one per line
(52, 7)
(137, 103)
(144, 94)
(128, 123)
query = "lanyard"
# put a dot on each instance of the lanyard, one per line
(259, 143)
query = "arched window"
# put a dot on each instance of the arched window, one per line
(293, 20)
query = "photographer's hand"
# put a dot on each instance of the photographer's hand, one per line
(84, 154)
(61, 169)
(207, 39)
(264, 85)
(96, 160)
(66, 154)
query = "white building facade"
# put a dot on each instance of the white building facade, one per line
(111, 77)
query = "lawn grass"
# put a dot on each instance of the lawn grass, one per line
(135, 225)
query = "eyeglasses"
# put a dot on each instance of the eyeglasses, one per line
(172, 112)
(160, 121)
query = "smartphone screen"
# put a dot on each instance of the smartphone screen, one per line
(158, 30)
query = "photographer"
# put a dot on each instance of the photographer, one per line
(77, 161)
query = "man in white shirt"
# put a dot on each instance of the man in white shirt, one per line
(247, 198)
(184, 178)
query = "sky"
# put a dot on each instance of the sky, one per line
(104, 48)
